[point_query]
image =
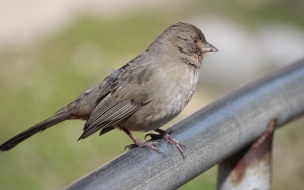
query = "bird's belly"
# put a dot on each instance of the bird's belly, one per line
(167, 103)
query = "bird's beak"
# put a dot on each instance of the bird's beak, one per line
(209, 48)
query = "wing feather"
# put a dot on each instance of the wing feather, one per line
(103, 118)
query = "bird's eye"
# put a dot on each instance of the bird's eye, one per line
(182, 38)
(195, 40)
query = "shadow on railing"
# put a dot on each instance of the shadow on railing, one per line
(224, 132)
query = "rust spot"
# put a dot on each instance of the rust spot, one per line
(256, 152)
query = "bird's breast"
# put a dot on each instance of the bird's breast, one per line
(170, 91)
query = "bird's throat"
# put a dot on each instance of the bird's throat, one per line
(191, 61)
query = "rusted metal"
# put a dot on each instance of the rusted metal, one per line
(249, 168)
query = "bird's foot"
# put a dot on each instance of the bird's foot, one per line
(150, 145)
(164, 135)
(181, 147)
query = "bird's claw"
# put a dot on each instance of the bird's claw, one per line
(130, 146)
(147, 145)
(171, 141)
(181, 147)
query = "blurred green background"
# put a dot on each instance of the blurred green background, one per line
(52, 52)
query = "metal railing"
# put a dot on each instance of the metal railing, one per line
(211, 135)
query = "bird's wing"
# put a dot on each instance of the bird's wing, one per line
(123, 94)
(126, 94)
(109, 112)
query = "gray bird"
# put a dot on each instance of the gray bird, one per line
(143, 95)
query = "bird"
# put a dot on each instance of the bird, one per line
(143, 95)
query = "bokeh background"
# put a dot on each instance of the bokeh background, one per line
(51, 51)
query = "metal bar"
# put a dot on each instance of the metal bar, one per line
(249, 168)
(210, 135)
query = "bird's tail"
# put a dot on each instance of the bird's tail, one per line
(11, 143)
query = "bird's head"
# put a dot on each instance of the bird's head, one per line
(188, 40)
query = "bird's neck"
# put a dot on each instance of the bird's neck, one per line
(192, 60)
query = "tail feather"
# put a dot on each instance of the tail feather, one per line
(11, 143)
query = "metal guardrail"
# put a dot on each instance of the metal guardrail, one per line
(210, 135)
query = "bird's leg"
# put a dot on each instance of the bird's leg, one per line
(137, 143)
(164, 135)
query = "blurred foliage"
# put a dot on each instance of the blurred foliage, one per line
(38, 81)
